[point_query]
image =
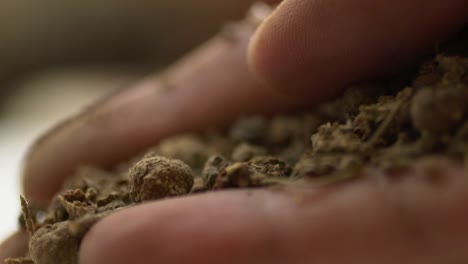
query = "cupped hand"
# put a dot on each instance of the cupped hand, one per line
(306, 51)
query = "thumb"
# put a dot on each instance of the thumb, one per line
(308, 44)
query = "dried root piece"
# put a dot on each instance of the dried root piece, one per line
(378, 124)
(383, 127)
(18, 261)
(156, 177)
(28, 220)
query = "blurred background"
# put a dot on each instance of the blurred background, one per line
(34, 105)
(58, 56)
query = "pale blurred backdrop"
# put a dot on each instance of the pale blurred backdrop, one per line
(57, 56)
(38, 103)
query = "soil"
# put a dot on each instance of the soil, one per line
(387, 125)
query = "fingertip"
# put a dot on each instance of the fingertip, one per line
(315, 49)
(263, 56)
(280, 57)
(257, 61)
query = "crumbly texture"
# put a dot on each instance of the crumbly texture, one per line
(156, 177)
(386, 125)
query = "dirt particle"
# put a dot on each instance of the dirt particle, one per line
(54, 244)
(439, 111)
(212, 169)
(155, 177)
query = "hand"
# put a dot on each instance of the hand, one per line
(304, 46)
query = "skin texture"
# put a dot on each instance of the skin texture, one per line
(315, 47)
(331, 43)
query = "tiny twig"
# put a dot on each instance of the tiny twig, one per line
(30, 226)
(383, 126)
(18, 261)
